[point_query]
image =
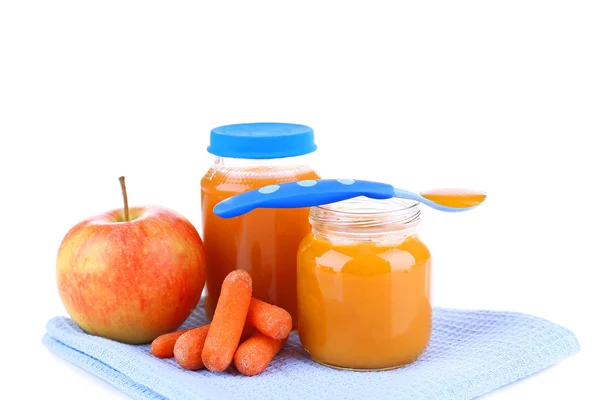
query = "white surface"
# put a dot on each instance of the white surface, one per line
(501, 96)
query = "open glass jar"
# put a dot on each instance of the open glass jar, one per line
(364, 285)
(263, 242)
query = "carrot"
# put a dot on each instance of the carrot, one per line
(255, 354)
(162, 346)
(188, 348)
(228, 321)
(271, 320)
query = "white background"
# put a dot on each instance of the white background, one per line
(502, 96)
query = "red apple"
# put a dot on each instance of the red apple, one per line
(131, 278)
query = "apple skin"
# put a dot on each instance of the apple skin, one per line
(131, 281)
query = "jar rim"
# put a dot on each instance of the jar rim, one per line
(338, 207)
(366, 219)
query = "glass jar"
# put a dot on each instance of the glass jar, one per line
(263, 242)
(363, 285)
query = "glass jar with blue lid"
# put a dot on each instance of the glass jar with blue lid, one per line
(263, 242)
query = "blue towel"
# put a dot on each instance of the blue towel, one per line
(470, 353)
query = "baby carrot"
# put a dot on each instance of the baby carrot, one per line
(162, 346)
(188, 348)
(255, 354)
(228, 321)
(271, 320)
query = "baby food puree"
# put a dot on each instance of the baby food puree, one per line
(363, 285)
(460, 198)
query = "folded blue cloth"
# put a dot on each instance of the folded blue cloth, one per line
(470, 353)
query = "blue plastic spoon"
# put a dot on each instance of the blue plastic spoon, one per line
(319, 192)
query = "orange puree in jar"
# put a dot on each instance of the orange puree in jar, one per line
(263, 242)
(363, 288)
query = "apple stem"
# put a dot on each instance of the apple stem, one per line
(125, 203)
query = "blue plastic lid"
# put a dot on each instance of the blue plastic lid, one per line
(261, 140)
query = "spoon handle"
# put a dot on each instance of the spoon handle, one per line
(302, 194)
